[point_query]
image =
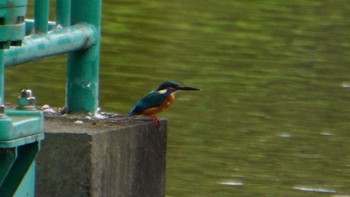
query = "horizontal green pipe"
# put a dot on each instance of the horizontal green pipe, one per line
(58, 41)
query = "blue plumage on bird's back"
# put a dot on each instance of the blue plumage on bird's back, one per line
(152, 99)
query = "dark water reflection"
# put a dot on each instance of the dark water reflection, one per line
(273, 116)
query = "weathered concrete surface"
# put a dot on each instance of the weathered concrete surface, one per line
(101, 159)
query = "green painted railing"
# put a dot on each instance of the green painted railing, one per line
(76, 32)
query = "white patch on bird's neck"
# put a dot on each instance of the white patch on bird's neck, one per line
(162, 91)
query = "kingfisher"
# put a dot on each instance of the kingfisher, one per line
(158, 100)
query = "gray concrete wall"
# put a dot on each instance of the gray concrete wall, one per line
(101, 159)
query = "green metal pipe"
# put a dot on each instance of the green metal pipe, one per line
(2, 77)
(41, 16)
(58, 41)
(63, 8)
(83, 66)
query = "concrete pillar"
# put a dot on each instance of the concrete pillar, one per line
(102, 159)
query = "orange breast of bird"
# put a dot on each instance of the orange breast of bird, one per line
(158, 109)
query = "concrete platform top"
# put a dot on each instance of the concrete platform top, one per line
(103, 122)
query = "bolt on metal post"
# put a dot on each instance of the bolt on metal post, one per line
(26, 101)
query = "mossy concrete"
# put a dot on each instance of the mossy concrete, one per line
(101, 158)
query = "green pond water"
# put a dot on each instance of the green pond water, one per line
(272, 118)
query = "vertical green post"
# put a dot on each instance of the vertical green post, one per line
(83, 66)
(2, 77)
(63, 8)
(41, 15)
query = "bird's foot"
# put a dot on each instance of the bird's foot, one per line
(155, 120)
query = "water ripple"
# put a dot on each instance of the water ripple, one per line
(312, 189)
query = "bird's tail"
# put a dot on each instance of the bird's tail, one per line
(134, 111)
(130, 114)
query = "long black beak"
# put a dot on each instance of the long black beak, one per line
(187, 88)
